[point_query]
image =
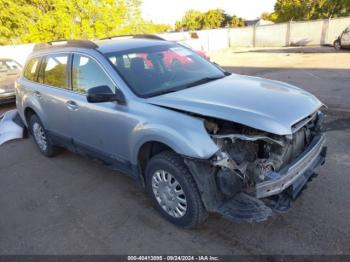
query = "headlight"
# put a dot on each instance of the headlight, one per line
(2, 91)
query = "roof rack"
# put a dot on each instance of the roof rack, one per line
(65, 43)
(140, 36)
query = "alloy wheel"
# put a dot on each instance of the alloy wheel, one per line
(39, 136)
(169, 193)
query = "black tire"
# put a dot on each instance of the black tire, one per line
(174, 164)
(337, 45)
(50, 150)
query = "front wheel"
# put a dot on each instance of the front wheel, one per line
(337, 45)
(173, 190)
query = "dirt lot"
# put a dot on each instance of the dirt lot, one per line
(70, 205)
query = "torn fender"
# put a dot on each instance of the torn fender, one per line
(11, 126)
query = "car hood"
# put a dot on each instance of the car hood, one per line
(263, 104)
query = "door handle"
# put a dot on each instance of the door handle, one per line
(37, 94)
(71, 105)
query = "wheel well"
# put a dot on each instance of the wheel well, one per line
(147, 151)
(28, 112)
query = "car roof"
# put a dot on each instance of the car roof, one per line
(103, 46)
(120, 44)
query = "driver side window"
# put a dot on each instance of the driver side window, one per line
(86, 74)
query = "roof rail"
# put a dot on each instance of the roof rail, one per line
(140, 36)
(65, 43)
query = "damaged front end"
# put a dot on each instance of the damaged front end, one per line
(256, 173)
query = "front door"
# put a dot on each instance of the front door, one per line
(54, 94)
(99, 129)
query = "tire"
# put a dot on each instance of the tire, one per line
(169, 165)
(48, 149)
(337, 45)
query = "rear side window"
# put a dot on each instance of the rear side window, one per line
(86, 73)
(31, 69)
(55, 71)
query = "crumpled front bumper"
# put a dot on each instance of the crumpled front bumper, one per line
(271, 196)
(11, 126)
(275, 195)
(294, 176)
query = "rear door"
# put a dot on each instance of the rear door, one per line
(54, 78)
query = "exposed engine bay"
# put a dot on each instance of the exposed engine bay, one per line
(248, 157)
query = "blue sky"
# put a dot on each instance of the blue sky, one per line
(168, 11)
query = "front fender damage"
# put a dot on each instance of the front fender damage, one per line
(240, 208)
(11, 127)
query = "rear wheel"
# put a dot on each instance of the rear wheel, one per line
(173, 190)
(41, 137)
(337, 45)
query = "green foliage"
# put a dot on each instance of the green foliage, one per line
(266, 16)
(237, 22)
(215, 18)
(287, 10)
(24, 21)
(192, 20)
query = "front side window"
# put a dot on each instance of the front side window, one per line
(160, 69)
(55, 71)
(31, 69)
(86, 73)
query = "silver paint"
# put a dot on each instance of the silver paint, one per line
(123, 129)
(263, 104)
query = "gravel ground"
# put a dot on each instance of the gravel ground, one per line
(71, 205)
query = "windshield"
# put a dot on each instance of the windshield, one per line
(155, 70)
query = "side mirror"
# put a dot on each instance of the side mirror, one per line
(100, 94)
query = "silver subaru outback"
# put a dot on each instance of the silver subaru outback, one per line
(197, 138)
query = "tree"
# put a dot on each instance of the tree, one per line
(13, 16)
(192, 20)
(213, 19)
(286, 10)
(331, 8)
(266, 16)
(237, 22)
(179, 26)
(23, 21)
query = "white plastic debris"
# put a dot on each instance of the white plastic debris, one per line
(10, 127)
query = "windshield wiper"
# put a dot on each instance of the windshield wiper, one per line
(203, 81)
